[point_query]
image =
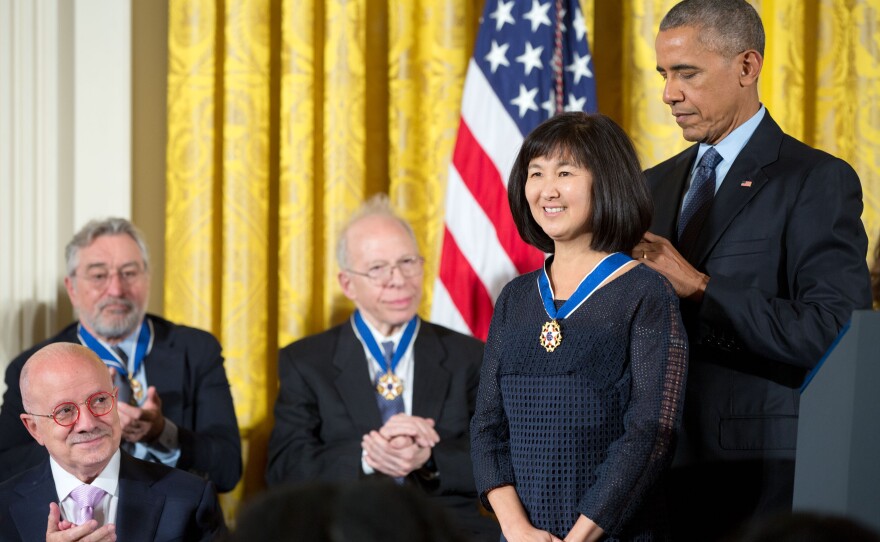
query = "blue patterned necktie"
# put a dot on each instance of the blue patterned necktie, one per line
(388, 407)
(124, 393)
(699, 200)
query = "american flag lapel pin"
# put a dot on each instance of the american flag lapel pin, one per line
(747, 183)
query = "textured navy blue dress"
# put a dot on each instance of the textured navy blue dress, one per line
(589, 428)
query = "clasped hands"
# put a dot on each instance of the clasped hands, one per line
(400, 446)
(62, 530)
(141, 423)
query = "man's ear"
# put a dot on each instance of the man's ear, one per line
(345, 283)
(751, 63)
(31, 425)
(69, 286)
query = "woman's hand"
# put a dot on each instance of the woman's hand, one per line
(513, 519)
(529, 534)
(584, 530)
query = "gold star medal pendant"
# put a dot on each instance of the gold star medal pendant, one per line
(389, 386)
(137, 390)
(551, 332)
(551, 335)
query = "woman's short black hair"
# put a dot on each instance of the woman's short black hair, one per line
(621, 205)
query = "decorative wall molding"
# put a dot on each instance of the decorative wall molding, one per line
(65, 148)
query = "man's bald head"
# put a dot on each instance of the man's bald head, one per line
(54, 360)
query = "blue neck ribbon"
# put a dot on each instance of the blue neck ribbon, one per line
(373, 346)
(607, 267)
(111, 358)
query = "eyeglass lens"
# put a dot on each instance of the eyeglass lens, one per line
(100, 277)
(98, 404)
(409, 267)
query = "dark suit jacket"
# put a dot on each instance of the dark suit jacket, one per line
(186, 368)
(326, 404)
(156, 503)
(785, 248)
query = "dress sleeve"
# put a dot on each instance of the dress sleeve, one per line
(657, 371)
(490, 435)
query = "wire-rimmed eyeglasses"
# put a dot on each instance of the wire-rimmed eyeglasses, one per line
(67, 413)
(380, 273)
(99, 277)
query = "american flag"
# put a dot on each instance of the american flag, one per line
(531, 61)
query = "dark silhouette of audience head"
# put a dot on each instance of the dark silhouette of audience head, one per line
(804, 527)
(371, 510)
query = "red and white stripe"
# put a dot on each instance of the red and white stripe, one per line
(482, 250)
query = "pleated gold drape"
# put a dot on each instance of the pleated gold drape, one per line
(283, 115)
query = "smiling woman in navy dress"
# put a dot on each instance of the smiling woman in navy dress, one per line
(581, 387)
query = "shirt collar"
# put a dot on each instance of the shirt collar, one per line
(730, 147)
(394, 337)
(65, 482)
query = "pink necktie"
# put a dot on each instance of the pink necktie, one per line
(86, 497)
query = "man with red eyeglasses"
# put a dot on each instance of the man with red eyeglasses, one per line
(88, 489)
(174, 403)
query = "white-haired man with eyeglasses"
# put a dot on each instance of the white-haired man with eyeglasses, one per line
(174, 403)
(384, 393)
(88, 489)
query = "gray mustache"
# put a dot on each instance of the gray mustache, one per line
(76, 438)
(129, 304)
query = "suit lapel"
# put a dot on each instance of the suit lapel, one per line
(138, 510)
(431, 379)
(165, 367)
(351, 377)
(743, 181)
(31, 512)
(668, 193)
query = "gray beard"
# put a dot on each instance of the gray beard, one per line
(116, 329)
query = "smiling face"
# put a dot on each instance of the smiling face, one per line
(559, 193)
(111, 308)
(61, 373)
(710, 95)
(372, 241)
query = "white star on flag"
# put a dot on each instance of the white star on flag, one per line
(502, 14)
(498, 55)
(531, 58)
(526, 100)
(579, 67)
(575, 104)
(538, 15)
(579, 25)
(550, 105)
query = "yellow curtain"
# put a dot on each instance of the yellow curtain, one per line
(283, 115)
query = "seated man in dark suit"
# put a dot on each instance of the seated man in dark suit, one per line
(384, 392)
(174, 400)
(89, 487)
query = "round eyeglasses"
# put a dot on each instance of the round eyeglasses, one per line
(67, 414)
(380, 273)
